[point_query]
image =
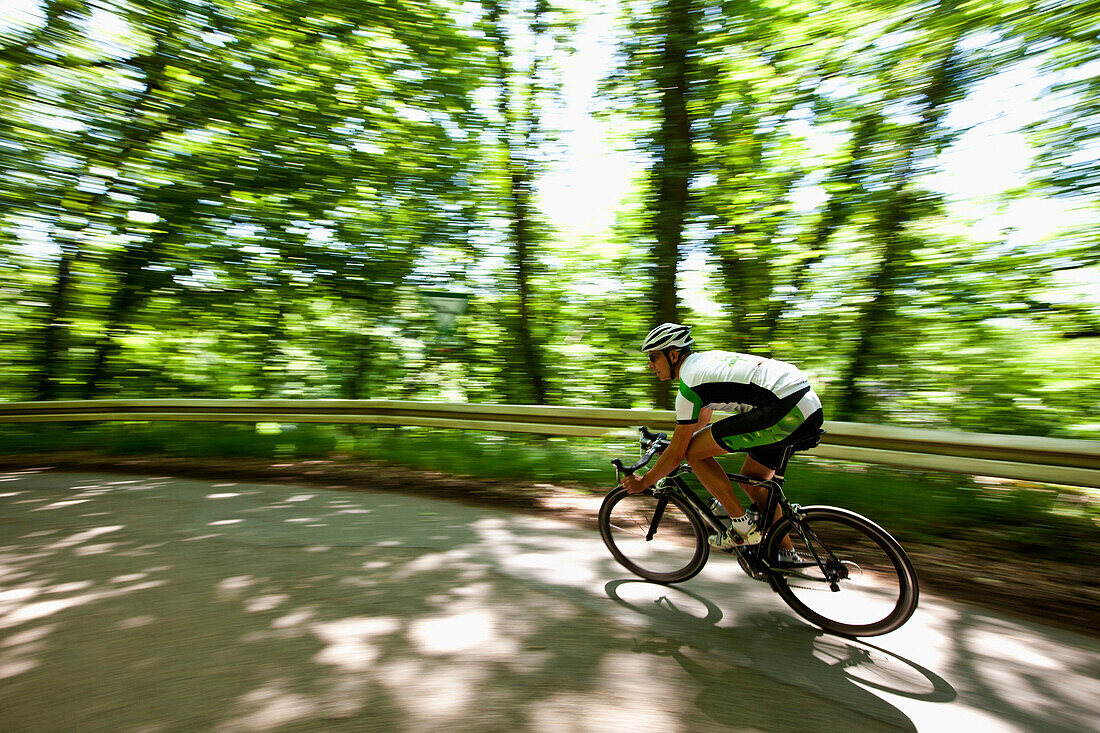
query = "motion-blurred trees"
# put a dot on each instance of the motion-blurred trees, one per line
(871, 286)
(223, 161)
(521, 91)
(242, 199)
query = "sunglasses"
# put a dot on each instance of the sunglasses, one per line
(654, 356)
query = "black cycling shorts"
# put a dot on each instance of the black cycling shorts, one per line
(765, 432)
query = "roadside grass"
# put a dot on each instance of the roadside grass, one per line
(1056, 523)
(214, 440)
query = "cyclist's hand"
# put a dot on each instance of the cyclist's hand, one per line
(633, 484)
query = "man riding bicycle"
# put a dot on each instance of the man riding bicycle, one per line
(774, 407)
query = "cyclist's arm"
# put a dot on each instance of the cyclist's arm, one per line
(677, 450)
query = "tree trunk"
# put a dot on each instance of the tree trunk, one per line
(353, 381)
(55, 329)
(127, 297)
(517, 132)
(874, 339)
(270, 358)
(873, 334)
(529, 348)
(673, 169)
(84, 209)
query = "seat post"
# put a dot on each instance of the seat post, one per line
(781, 469)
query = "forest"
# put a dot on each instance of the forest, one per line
(258, 198)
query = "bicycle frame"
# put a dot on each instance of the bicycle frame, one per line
(774, 487)
(776, 500)
(814, 566)
(775, 496)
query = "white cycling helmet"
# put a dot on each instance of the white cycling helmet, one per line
(668, 336)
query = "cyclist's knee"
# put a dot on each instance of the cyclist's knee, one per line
(702, 447)
(694, 458)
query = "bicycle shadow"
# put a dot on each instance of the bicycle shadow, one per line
(784, 674)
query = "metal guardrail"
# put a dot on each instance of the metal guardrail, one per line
(1047, 460)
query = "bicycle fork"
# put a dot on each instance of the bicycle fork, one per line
(833, 569)
(658, 512)
(661, 494)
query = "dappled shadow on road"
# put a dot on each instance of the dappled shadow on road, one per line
(1039, 680)
(768, 657)
(178, 614)
(157, 604)
(165, 605)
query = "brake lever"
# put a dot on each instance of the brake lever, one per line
(629, 470)
(649, 438)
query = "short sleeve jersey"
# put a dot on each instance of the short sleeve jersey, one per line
(729, 382)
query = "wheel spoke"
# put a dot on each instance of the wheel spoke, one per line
(855, 578)
(658, 538)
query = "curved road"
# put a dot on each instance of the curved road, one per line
(160, 604)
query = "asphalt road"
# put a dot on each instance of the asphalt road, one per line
(159, 604)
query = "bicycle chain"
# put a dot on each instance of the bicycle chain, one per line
(809, 587)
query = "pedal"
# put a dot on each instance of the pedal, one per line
(748, 569)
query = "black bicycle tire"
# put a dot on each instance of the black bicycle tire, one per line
(907, 576)
(690, 570)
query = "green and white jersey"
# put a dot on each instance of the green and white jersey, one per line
(729, 382)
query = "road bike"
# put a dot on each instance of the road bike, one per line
(851, 577)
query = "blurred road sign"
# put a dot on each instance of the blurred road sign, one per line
(447, 308)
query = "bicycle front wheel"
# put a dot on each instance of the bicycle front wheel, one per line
(852, 579)
(659, 538)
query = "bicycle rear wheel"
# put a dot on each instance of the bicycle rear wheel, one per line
(669, 550)
(854, 579)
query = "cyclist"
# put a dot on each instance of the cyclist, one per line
(774, 407)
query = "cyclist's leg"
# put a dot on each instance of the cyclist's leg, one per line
(760, 463)
(751, 468)
(762, 426)
(700, 455)
(755, 469)
(758, 432)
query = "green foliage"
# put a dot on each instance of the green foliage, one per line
(216, 440)
(1037, 520)
(473, 453)
(1029, 519)
(241, 199)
